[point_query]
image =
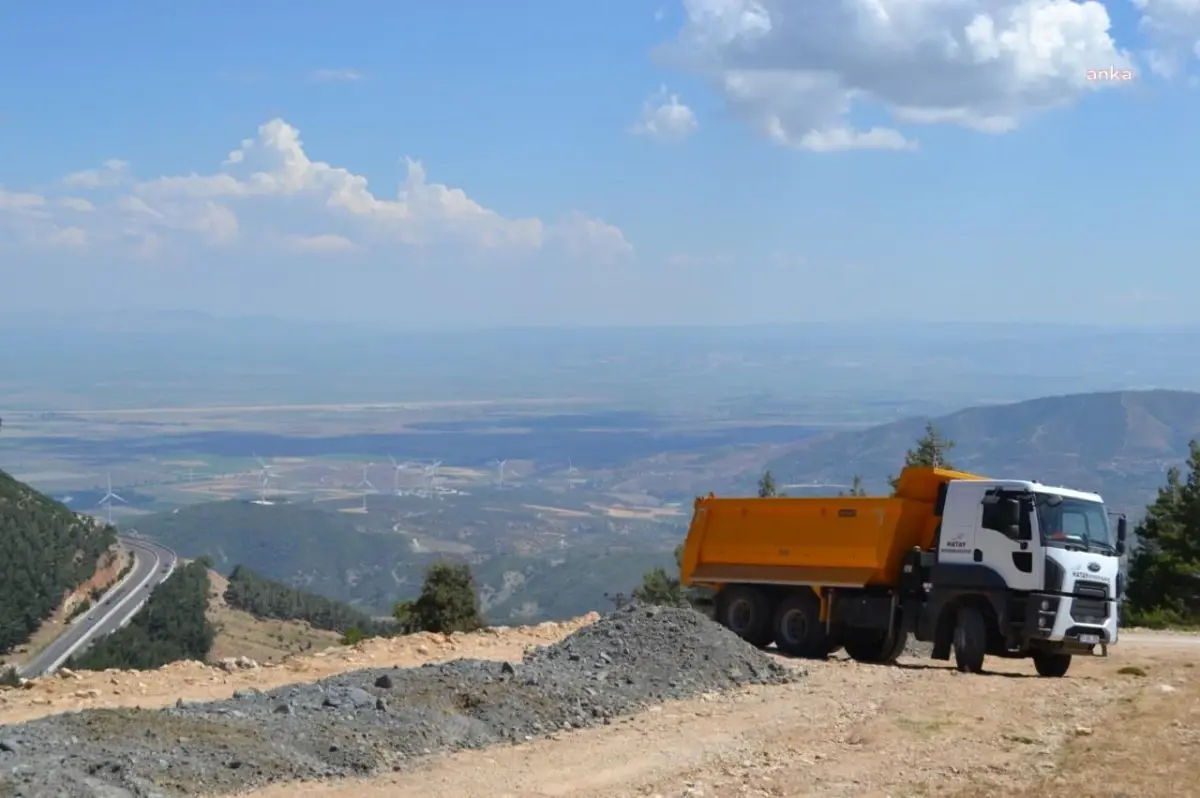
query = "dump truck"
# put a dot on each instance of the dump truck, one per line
(1000, 567)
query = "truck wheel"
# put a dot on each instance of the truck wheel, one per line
(1050, 664)
(798, 628)
(746, 612)
(970, 639)
(899, 643)
(875, 648)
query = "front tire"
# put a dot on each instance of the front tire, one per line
(970, 639)
(1051, 665)
(746, 611)
(798, 628)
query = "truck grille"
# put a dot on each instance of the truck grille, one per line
(1092, 590)
(1086, 610)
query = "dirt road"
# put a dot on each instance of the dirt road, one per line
(1127, 726)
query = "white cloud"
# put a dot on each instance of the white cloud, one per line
(665, 117)
(270, 195)
(319, 243)
(21, 203)
(800, 72)
(1174, 27)
(77, 204)
(112, 173)
(337, 75)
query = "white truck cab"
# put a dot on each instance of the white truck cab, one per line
(1020, 569)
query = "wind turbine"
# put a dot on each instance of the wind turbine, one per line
(500, 470)
(365, 484)
(571, 470)
(107, 500)
(266, 480)
(396, 475)
(431, 475)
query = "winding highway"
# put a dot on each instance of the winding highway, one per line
(152, 565)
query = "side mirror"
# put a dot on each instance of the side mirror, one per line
(1122, 532)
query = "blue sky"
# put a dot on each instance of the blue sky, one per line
(723, 161)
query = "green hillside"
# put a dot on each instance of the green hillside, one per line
(172, 626)
(298, 545)
(1118, 444)
(325, 553)
(517, 590)
(266, 598)
(45, 551)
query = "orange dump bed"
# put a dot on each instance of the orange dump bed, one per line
(831, 541)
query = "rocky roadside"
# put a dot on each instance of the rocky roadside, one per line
(376, 720)
(196, 681)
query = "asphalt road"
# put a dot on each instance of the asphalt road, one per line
(152, 564)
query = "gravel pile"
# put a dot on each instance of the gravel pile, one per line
(373, 720)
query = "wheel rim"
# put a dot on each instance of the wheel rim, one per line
(741, 616)
(794, 627)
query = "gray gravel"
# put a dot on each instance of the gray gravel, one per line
(374, 720)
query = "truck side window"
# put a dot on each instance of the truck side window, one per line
(991, 517)
(1026, 529)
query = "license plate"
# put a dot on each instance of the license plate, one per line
(1090, 640)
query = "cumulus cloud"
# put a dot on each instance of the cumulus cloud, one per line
(806, 73)
(664, 117)
(269, 193)
(112, 173)
(1174, 27)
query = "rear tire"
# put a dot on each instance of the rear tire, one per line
(746, 611)
(970, 639)
(798, 628)
(875, 648)
(1051, 665)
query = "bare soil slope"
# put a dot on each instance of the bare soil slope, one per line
(240, 634)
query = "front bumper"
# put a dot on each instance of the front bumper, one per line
(1076, 622)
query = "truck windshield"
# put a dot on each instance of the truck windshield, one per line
(1073, 522)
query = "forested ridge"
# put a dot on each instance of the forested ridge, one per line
(45, 551)
(171, 627)
(266, 598)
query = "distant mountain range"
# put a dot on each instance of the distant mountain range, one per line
(1119, 444)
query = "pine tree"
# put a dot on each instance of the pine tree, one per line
(930, 450)
(448, 602)
(660, 587)
(1164, 572)
(766, 485)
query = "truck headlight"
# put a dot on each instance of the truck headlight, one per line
(1045, 605)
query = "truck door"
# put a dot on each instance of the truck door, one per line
(960, 524)
(1017, 559)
